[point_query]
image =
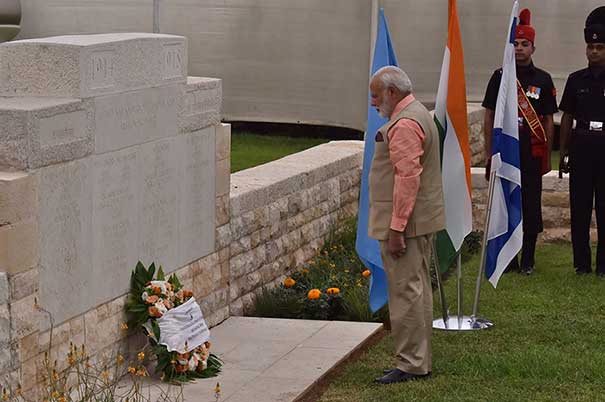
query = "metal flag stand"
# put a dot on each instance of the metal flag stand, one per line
(461, 322)
(478, 322)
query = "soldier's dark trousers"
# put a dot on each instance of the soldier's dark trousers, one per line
(587, 188)
(527, 253)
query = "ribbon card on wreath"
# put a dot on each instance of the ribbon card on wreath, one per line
(183, 328)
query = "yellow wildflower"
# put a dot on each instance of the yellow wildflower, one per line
(141, 356)
(105, 375)
(120, 360)
(55, 394)
(132, 370)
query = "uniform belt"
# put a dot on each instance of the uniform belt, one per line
(590, 127)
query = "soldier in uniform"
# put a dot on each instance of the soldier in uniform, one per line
(584, 101)
(537, 104)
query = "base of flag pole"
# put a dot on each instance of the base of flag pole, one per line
(467, 323)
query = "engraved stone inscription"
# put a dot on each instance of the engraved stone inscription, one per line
(135, 118)
(65, 238)
(157, 165)
(172, 60)
(115, 221)
(102, 69)
(62, 129)
(196, 195)
(202, 101)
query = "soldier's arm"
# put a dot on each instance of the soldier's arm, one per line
(565, 133)
(488, 127)
(549, 128)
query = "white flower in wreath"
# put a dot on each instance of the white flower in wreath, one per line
(192, 366)
(144, 296)
(160, 284)
(160, 306)
(204, 364)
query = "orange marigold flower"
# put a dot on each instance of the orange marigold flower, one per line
(333, 291)
(366, 273)
(314, 294)
(289, 282)
(153, 299)
(157, 290)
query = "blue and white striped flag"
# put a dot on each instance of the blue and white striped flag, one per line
(505, 230)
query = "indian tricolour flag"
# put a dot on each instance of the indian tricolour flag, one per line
(450, 117)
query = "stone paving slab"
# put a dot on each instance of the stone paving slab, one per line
(276, 360)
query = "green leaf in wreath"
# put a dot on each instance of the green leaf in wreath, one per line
(151, 271)
(161, 276)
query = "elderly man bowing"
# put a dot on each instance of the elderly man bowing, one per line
(406, 209)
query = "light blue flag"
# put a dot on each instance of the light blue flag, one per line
(367, 248)
(505, 230)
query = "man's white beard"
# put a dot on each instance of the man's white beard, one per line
(386, 110)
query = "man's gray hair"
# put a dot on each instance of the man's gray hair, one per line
(394, 77)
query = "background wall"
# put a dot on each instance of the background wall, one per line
(308, 61)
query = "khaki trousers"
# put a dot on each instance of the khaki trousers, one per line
(411, 303)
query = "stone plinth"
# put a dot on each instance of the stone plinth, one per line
(90, 65)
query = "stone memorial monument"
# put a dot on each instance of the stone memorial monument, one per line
(108, 156)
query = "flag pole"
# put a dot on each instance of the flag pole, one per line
(460, 309)
(481, 323)
(444, 309)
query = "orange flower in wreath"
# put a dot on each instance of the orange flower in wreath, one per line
(366, 273)
(289, 282)
(333, 291)
(314, 294)
(154, 312)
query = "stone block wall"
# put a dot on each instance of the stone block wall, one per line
(555, 205)
(475, 132)
(282, 212)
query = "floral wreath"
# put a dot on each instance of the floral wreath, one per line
(150, 299)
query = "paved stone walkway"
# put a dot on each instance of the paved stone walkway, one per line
(276, 360)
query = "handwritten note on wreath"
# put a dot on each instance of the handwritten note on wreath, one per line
(183, 328)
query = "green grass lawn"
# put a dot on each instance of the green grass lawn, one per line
(548, 343)
(248, 150)
(554, 159)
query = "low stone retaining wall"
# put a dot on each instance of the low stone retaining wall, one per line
(282, 212)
